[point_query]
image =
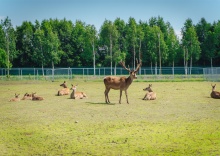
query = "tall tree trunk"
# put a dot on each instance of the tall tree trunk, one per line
(115, 69)
(42, 68)
(140, 55)
(111, 51)
(52, 71)
(8, 61)
(134, 54)
(185, 60)
(151, 67)
(173, 69)
(93, 51)
(191, 65)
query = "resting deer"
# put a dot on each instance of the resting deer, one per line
(150, 95)
(15, 99)
(36, 98)
(75, 94)
(64, 91)
(120, 83)
(215, 94)
(27, 97)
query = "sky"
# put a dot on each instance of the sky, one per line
(94, 12)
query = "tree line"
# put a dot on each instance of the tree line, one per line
(62, 43)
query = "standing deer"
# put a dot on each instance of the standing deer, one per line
(120, 83)
(215, 94)
(75, 94)
(15, 99)
(150, 95)
(64, 90)
(36, 98)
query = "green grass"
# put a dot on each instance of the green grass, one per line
(183, 120)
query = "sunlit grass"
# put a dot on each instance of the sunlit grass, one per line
(184, 120)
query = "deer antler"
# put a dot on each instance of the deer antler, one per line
(123, 65)
(138, 65)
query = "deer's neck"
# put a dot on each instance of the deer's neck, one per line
(150, 90)
(129, 80)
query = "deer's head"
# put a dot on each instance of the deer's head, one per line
(213, 87)
(73, 87)
(64, 84)
(148, 88)
(132, 72)
(16, 95)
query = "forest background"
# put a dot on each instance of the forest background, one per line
(62, 43)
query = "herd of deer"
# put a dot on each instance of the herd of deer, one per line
(111, 82)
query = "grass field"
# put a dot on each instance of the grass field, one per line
(183, 120)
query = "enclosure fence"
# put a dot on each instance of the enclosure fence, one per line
(212, 74)
(99, 73)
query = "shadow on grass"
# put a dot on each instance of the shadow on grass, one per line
(100, 103)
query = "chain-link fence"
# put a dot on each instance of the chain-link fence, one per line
(211, 74)
(99, 73)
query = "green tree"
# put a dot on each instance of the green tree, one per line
(78, 42)
(24, 44)
(172, 46)
(190, 43)
(39, 56)
(131, 37)
(203, 30)
(2, 39)
(120, 44)
(64, 29)
(91, 41)
(3, 58)
(10, 41)
(217, 42)
(52, 44)
(108, 37)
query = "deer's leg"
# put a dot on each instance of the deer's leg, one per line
(106, 95)
(120, 96)
(144, 97)
(126, 96)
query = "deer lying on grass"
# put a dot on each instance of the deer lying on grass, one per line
(15, 99)
(36, 98)
(215, 94)
(150, 95)
(27, 97)
(120, 83)
(64, 91)
(75, 94)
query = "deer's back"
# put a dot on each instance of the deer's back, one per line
(14, 99)
(215, 95)
(64, 91)
(115, 82)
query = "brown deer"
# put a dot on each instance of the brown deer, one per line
(15, 99)
(36, 98)
(75, 94)
(120, 83)
(64, 90)
(27, 96)
(150, 95)
(215, 94)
